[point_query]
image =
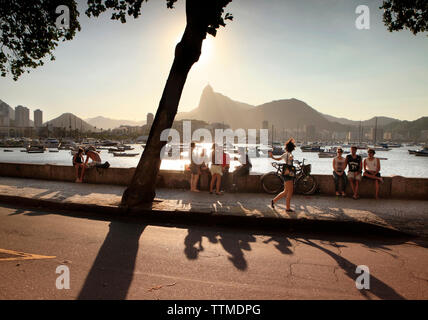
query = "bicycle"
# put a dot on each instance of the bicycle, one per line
(305, 183)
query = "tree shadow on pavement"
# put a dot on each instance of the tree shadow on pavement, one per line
(377, 287)
(232, 243)
(112, 272)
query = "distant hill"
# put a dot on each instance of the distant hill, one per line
(285, 113)
(107, 123)
(381, 121)
(70, 121)
(412, 127)
(288, 113)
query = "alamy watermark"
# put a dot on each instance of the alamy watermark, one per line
(63, 20)
(251, 137)
(63, 280)
(363, 20)
(363, 280)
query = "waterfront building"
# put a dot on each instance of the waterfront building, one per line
(22, 117)
(38, 118)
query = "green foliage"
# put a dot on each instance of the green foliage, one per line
(123, 8)
(409, 14)
(28, 33)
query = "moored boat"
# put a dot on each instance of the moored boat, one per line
(36, 149)
(311, 148)
(124, 154)
(422, 153)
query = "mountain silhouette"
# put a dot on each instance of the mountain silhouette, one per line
(70, 121)
(108, 123)
(215, 107)
(381, 121)
(286, 113)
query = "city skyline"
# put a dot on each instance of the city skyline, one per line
(310, 51)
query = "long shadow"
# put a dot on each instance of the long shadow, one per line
(111, 274)
(377, 287)
(82, 189)
(232, 243)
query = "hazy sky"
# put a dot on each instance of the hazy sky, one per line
(309, 50)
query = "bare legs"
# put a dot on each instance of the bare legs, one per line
(377, 180)
(216, 178)
(288, 192)
(354, 185)
(77, 166)
(194, 182)
(83, 172)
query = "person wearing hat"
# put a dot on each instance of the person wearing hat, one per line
(339, 164)
(371, 170)
(354, 163)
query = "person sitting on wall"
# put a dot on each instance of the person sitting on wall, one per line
(339, 164)
(93, 154)
(243, 169)
(354, 163)
(371, 170)
(78, 163)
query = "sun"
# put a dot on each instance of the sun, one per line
(207, 50)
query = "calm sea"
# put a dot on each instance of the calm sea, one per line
(399, 162)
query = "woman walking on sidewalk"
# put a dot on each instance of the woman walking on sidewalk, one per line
(289, 173)
(339, 164)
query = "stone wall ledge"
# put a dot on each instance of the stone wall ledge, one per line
(395, 187)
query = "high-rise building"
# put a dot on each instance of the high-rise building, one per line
(265, 124)
(38, 118)
(150, 119)
(4, 114)
(22, 116)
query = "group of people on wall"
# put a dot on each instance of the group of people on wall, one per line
(80, 164)
(219, 169)
(357, 169)
(354, 162)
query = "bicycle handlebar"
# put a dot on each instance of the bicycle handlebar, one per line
(275, 164)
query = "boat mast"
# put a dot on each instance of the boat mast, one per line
(375, 132)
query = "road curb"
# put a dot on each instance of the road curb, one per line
(180, 218)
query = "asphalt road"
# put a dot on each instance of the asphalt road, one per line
(132, 260)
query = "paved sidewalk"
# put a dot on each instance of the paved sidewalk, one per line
(409, 216)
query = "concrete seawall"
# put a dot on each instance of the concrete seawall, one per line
(395, 187)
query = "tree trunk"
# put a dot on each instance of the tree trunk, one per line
(187, 52)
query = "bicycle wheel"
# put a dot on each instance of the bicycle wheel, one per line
(306, 185)
(272, 183)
